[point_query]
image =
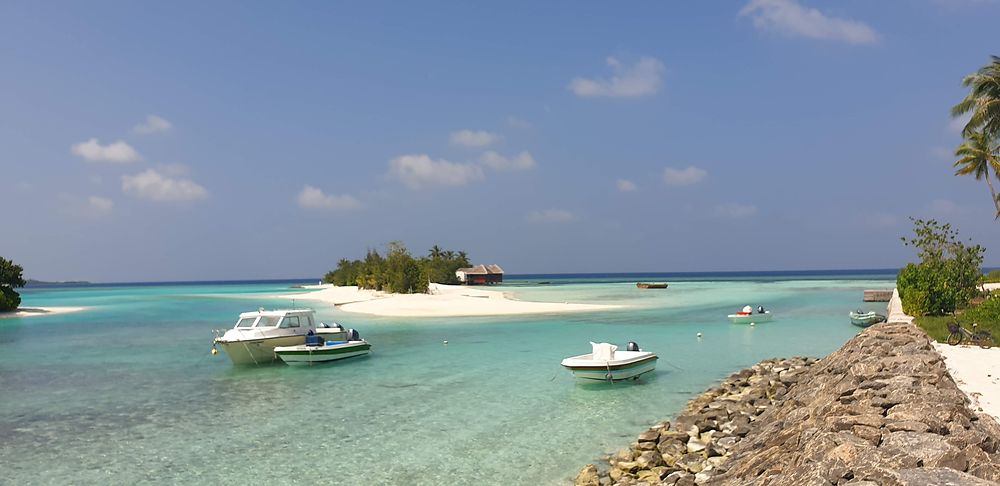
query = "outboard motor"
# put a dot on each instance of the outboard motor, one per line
(632, 346)
(353, 335)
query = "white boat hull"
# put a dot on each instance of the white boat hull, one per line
(257, 351)
(747, 319)
(307, 355)
(625, 365)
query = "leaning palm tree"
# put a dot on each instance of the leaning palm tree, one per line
(979, 155)
(983, 100)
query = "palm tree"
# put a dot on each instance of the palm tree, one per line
(435, 252)
(983, 100)
(979, 155)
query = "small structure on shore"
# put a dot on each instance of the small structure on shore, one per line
(877, 295)
(480, 275)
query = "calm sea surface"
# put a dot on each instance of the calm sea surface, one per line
(127, 391)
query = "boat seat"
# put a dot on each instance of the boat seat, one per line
(603, 351)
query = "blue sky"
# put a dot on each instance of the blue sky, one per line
(214, 140)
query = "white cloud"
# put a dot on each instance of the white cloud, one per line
(683, 177)
(469, 138)
(419, 171)
(735, 211)
(946, 208)
(625, 185)
(173, 170)
(640, 79)
(521, 161)
(153, 124)
(313, 198)
(118, 152)
(551, 216)
(100, 204)
(791, 18)
(154, 186)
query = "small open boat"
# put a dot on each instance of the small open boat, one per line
(651, 285)
(606, 363)
(749, 316)
(323, 347)
(864, 319)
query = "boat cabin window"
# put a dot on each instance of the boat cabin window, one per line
(246, 322)
(290, 321)
(267, 321)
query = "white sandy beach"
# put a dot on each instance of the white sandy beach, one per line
(975, 370)
(442, 301)
(39, 311)
(977, 373)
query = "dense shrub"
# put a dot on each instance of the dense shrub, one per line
(947, 276)
(987, 312)
(992, 277)
(10, 279)
(398, 271)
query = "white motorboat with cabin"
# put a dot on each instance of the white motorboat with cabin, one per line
(606, 363)
(749, 316)
(253, 339)
(330, 343)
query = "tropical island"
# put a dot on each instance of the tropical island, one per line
(400, 285)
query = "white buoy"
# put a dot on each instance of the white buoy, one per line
(699, 335)
(752, 324)
(446, 342)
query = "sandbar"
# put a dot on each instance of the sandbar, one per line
(441, 301)
(39, 311)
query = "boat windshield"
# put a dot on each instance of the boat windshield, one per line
(267, 321)
(246, 322)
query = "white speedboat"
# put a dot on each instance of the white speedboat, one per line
(318, 349)
(749, 316)
(606, 363)
(253, 339)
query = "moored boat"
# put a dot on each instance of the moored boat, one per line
(864, 319)
(606, 363)
(651, 285)
(748, 316)
(253, 339)
(319, 350)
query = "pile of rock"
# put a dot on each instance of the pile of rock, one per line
(702, 437)
(881, 411)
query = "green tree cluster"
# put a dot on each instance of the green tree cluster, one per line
(398, 271)
(948, 275)
(979, 153)
(10, 279)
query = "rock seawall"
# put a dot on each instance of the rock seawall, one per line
(881, 411)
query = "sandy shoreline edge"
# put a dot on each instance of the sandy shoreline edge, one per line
(39, 311)
(442, 301)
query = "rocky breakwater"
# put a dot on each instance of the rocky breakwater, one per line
(700, 440)
(881, 411)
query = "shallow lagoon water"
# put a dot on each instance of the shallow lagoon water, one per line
(127, 392)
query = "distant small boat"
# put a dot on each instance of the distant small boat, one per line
(606, 363)
(749, 316)
(651, 285)
(865, 319)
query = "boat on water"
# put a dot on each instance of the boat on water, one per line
(864, 319)
(333, 343)
(651, 285)
(606, 363)
(749, 316)
(253, 339)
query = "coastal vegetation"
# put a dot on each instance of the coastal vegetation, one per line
(948, 275)
(10, 279)
(398, 271)
(979, 153)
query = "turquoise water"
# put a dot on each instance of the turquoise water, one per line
(127, 392)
